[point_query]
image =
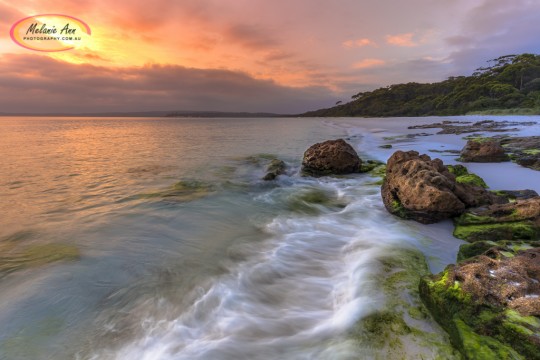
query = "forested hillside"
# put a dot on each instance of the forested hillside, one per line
(510, 82)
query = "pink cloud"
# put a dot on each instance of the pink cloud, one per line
(358, 43)
(405, 40)
(368, 63)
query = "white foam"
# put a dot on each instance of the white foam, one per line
(295, 296)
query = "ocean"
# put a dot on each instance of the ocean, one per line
(155, 238)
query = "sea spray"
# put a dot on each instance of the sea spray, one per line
(296, 294)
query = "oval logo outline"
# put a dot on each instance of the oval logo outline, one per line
(15, 37)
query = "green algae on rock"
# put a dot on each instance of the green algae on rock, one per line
(275, 168)
(18, 257)
(522, 230)
(256, 159)
(423, 189)
(183, 191)
(402, 328)
(312, 201)
(369, 166)
(518, 220)
(494, 248)
(489, 307)
(464, 177)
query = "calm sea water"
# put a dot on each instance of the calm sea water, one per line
(221, 265)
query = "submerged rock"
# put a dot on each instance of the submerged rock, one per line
(182, 191)
(332, 157)
(275, 168)
(419, 188)
(15, 256)
(312, 201)
(488, 306)
(483, 150)
(518, 220)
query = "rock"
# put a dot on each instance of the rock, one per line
(418, 188)
(488, 306)
(275, 168)
(517, 194)
(529, 161)
(314, 201)
(464, 177)
(462, 127)
(332, 157)
(494, 249)
(386, 146)
(370, 165)
(529, 144)
(483, 151)
(519, 220)
(525, 150)
(182, 191)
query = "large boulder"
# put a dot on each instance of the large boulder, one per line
(490, 306)
(332, 157)
(419, 188)
(483, 151)
(518, 220)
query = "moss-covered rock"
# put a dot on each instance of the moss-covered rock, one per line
(518, 220)
(522, 230)
(275, 168)
(312, 201)
(370, 165)
(485, 305)
(457, 170)
(463, 176)
(402, 328)
(472, 179)
(23, 256)
(524, 150)
(513, 195)
(494, 249)
(182, 191)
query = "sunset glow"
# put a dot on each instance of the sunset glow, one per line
(329, 49)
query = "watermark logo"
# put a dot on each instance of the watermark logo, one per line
(50, 32)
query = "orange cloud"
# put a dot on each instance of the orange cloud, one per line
(52, 85)
(368, 63)
(401, 40)
(358, 43)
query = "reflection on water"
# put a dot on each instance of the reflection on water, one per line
(157, 239)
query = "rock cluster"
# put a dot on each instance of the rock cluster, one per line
(419, 188)
(489, 303)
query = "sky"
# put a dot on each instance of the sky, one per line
(282, 56)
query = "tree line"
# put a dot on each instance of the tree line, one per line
(508, 82)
